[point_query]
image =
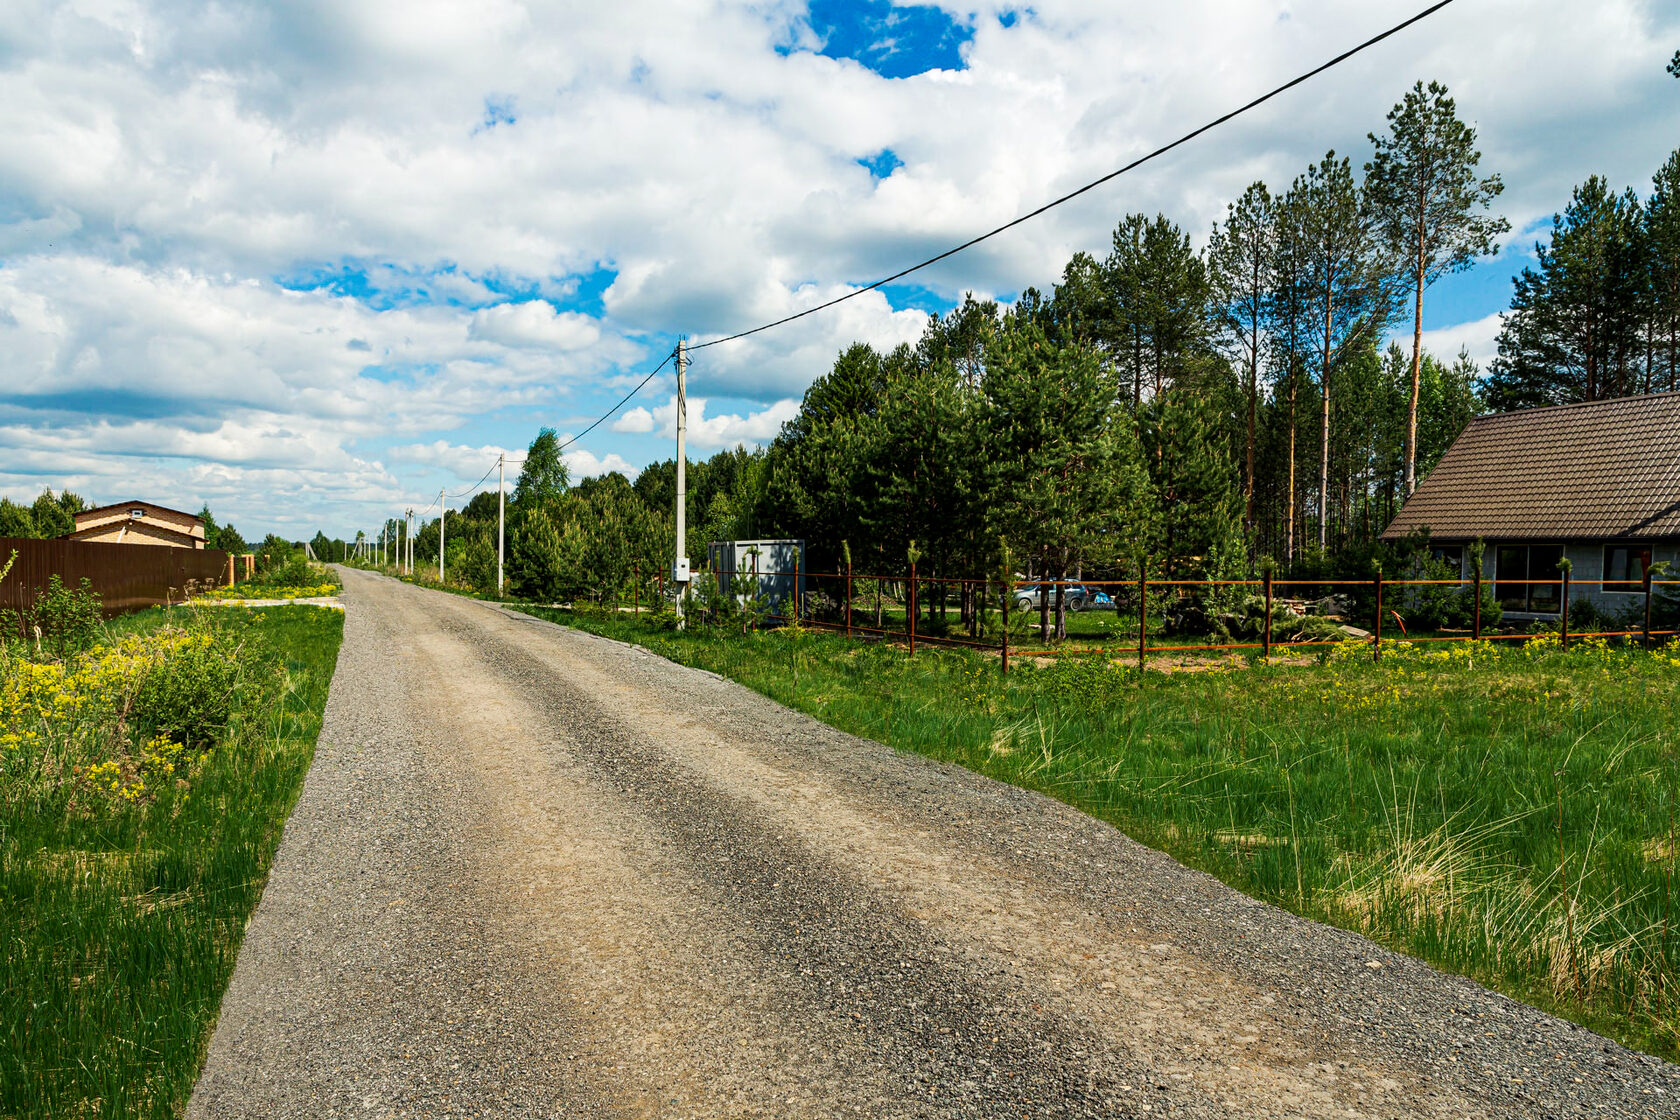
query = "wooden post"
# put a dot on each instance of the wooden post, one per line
(636, 586)
(1143, 613)
(912, 608)
(1476, 623)
(798, 599)
(1266, 640)
(1565, 610)
(1376, 639)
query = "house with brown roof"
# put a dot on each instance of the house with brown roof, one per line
(1598, 483)
(139, 523)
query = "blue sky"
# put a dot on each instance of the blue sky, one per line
(309, 262)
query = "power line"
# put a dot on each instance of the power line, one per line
(1092, 185)
(621, 403)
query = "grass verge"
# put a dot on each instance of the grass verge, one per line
(143, 787)
(1505, 813)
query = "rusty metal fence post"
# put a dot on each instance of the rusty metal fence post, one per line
(848, 593)
(1008, 593)
(1143, 613)
(910, 614)
(1565, 610)
(1647, 608)
(1266, 637)
(1376, 639)
(1476, 623)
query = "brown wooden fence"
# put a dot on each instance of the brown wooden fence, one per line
(128, 577)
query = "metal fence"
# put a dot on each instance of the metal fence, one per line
(127, 577)
(831, 601)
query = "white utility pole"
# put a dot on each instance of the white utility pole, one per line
(679, 570)
(501, 515)
(408, 549)
(443, 512)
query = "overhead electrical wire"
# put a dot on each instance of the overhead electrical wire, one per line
(1092, 185)
(1011, 224)
(603, 417)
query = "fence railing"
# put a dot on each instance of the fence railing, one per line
(860, 604)
(128, 577)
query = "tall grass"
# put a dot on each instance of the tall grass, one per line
(132, 850)
(1504, 812)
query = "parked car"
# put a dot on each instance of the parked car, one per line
(1026, 598)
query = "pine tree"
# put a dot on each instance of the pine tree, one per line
(1429, 208)
(1344, 275)
(1573, 331)
(1662, 241)
(1067, 483)
(1241, 257)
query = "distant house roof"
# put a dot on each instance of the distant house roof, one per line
(147, 522)
(1604, 470)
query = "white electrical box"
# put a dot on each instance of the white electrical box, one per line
(679, 571)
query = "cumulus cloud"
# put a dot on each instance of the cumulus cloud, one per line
(1479, 338)
(712, 432)
(264, 246)
(636, 420)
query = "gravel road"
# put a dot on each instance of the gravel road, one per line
(536, 873)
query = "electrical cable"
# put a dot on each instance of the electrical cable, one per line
(1092, 185)
(619, 405)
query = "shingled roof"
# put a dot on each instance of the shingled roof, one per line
(1605, 470)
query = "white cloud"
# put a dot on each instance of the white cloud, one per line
(1479, 337)
(712, 432)
(636, 420)
(583, 463)
(535, 323)
(166, 164)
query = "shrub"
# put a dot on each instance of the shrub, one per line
(63, 620)
(292, 570)
(188, 695)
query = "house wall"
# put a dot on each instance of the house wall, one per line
(1586, 573)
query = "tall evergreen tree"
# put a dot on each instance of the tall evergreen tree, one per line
(1573, 331)
(1067, 482)
(1241, 257)
(1430, 208)
(1344, 275)
(1662, 243)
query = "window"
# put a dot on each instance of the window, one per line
(1515, 565)
(1624, 568)
(1450, 557)
(137, 513)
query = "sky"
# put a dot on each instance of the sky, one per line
(310, 262)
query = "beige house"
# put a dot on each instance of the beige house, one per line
(139, 523)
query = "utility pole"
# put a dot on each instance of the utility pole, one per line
(408, 559)
(501, 516)
(679, 570)
(443, 514)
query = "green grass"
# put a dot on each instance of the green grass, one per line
(1505, 813)
(120, 920)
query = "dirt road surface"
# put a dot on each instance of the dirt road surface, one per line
(535, 873)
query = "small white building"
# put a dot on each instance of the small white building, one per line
(773, 568)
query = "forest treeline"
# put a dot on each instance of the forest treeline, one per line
(1189, 412)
